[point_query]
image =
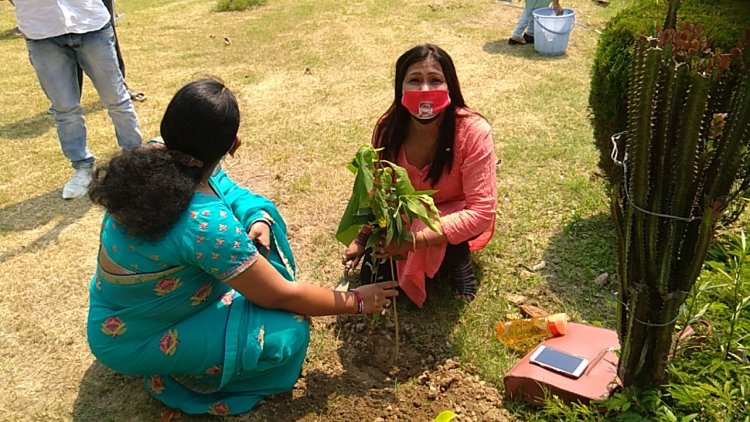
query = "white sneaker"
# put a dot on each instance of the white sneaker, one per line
(78, 185)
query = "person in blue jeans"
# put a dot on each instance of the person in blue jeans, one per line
(59, 37)
(524, 31)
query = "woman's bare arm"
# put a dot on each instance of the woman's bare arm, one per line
(264, 286)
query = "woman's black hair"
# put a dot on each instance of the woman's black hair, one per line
(392, 129)
(147, 189)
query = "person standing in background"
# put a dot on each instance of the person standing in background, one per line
(60, 36)
(524, 32)
(134, 95)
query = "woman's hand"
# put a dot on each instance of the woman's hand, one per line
(260, 234)
(377, 296)
(353, 254)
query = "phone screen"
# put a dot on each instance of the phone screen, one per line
(559, 360)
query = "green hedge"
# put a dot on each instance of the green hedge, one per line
(723, 20)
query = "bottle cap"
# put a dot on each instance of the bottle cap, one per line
(557, 324)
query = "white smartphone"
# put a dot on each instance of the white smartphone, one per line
(559, 361)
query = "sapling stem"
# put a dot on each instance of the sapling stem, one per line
(395, 309)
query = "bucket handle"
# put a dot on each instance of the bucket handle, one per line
(536, 22)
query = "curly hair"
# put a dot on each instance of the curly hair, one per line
(147, 189)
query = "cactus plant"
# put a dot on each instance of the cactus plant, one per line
(686, 159)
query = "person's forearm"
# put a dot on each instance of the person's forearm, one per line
(265, 287)
(308, 299)
(427, 237)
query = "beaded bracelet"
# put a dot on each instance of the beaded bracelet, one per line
(360, 301)
(363, 235)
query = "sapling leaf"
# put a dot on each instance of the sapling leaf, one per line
(390, 230)
(384, 198)
(403, 184)
(445, 416)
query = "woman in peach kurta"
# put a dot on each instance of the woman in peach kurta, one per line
(445, 146)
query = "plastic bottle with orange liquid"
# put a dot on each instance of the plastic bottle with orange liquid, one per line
(525, 330)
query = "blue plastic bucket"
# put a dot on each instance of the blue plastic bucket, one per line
(551, 32)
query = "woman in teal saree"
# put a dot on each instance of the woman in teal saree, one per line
(195, 285)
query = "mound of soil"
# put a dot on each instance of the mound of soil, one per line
(367, 382)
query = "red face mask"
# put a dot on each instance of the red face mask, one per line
(425, 104)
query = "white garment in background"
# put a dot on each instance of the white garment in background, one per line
(40, 19)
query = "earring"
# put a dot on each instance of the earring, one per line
(232, 161)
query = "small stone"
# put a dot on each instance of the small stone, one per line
(602, 279)
(516, 299)
(538, 266)
(360, 327)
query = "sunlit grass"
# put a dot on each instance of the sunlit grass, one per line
(312, 78)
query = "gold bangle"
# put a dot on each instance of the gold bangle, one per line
(413, 242)
(426, 242)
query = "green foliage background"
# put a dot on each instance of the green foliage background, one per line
(722, 20)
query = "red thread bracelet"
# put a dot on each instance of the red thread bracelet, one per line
(360, 301)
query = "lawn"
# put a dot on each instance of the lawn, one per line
(312, 78)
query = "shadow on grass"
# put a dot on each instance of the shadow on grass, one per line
(368, 349)
(526, 51)
(576, 258)
(34, 126)
(370, 370)
(40, 211)
(10, 34)
(104, 394)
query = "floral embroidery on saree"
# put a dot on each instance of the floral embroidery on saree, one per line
(168, 342)
(113, 326)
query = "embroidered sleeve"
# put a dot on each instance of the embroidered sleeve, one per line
(219, 243)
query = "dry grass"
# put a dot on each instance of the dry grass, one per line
(312, 78)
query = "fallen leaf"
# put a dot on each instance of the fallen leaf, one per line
(531, 311)
(170, 415)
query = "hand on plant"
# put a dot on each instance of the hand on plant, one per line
(353, 254)
(260, 234)
(393, 249)
(377, 296)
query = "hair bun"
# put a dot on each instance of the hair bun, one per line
(186, 159)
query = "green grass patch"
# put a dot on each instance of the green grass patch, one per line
(238, 5)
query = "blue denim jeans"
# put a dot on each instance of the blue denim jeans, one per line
(526, 20)
(55, 60)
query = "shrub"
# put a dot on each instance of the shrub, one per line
(723, 21)
(238, 5)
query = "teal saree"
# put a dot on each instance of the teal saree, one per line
(170, 317)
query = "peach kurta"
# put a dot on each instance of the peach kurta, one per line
(466, 198)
